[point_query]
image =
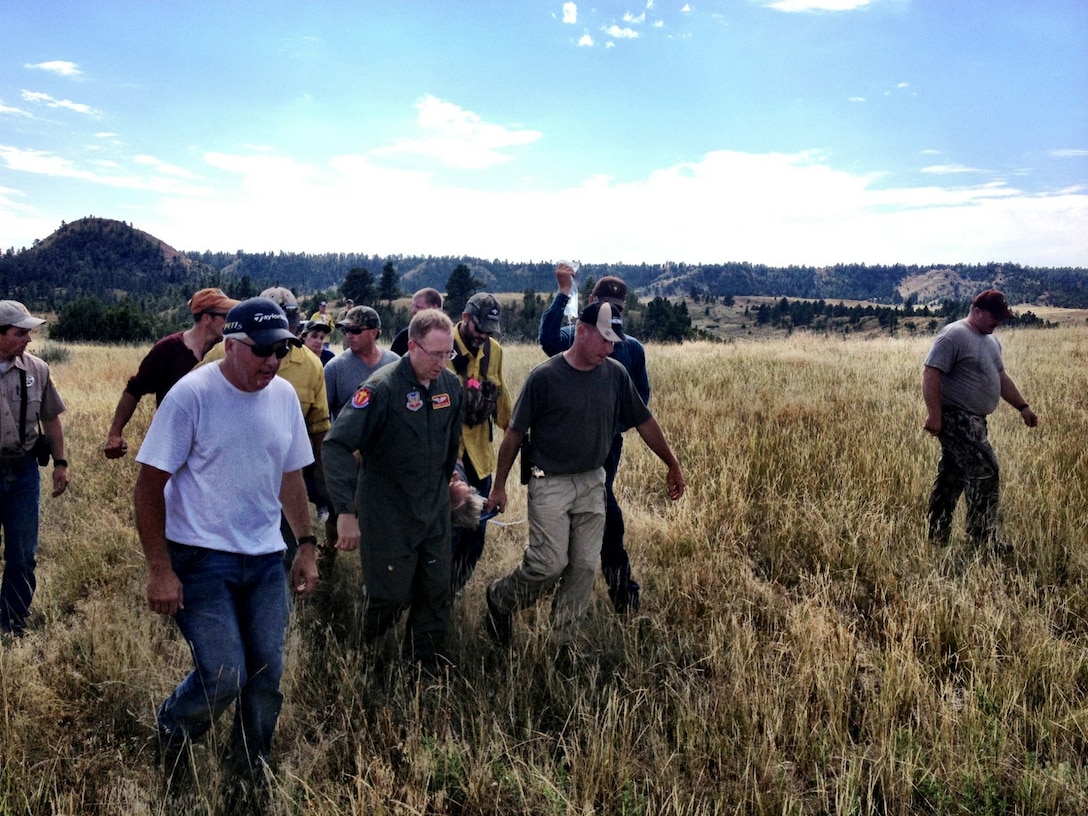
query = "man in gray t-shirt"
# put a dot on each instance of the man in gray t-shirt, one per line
(570, 406)
(963, 381)
(345, 372)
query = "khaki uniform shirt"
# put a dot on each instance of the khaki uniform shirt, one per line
(42, 402)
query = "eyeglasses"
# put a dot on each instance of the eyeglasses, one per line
(358, 329)
(437, 355)
(267, 351)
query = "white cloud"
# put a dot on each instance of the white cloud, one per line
(43, 163)
(817, 5)
(856, 99)
(570, 13)
(766, 208)
(165, 168)
(1068, 153)
(628, 17)
(620, 33)
(50, 102)
(948, 169)
(60, 67)
(585, 40)
(7, 110)
(773, 208)
(686, 8)
(459, 138)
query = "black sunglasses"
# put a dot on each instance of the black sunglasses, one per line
(357, 329)
(267, 351)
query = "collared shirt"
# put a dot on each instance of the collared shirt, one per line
(42, 401)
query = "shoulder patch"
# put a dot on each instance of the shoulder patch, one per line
(361, 398)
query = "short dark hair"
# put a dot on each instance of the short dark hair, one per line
(432, 297)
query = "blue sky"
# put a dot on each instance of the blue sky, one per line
(770, 131)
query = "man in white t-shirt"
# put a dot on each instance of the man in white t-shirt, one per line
(224, 452)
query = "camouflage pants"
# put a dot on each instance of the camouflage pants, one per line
(968, 467)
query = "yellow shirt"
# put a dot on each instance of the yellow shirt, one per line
(476, 442)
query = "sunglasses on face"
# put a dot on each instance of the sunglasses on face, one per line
(267, 351)
(355, 329)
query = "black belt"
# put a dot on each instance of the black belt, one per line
(12, 459)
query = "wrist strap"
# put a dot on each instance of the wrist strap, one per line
(307, 539)
(60, 463)
(1022, 407)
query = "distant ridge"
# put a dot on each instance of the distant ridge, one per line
(106, 258)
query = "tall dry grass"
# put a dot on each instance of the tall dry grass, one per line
(800, 650)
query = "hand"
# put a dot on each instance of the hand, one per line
(1029, 418)
(497, 498)
(116, 447)
(164, 592)
(932, 424)
(564, 276)
(304, 573)
(676, 482)
(347, 532)
(60, 480)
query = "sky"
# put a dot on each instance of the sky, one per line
(780, 132)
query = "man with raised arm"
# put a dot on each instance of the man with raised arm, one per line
(623, 589)
(570, 406)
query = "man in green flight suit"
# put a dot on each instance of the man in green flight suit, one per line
(405, 422)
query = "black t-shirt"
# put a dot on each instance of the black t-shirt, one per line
(572, 414)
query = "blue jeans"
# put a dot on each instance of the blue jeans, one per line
(20, 493)
(234, 619)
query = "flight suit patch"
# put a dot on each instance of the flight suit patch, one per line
(361, 398)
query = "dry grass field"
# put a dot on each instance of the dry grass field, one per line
(800, 648)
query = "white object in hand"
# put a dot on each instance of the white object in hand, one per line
(571, 311)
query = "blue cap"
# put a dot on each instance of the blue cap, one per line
(259, 319)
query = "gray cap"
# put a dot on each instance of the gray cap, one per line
(484, 311)
(13, 313)
(360, 317)
(282, 297)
